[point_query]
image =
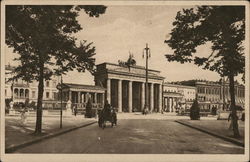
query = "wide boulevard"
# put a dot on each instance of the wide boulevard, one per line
(135, 136)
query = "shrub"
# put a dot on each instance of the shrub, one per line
(195, 111)
(33, 105)
(7, 102)
(89, 112)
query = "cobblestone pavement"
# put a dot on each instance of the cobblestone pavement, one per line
(138, 136)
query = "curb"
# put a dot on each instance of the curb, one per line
(26, 143)
(50, 116)
(213, 134)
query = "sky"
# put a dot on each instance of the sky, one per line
(124, 29)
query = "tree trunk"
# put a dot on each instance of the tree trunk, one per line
(38, 129)
(233, 107)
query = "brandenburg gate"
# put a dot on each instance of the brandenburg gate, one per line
(125, 87)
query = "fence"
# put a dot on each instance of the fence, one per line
(203, 112)
(81, 107)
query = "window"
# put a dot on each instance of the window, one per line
(47, 83)
(55, 96)
(54, 83)
(47, 94)
(33, 94)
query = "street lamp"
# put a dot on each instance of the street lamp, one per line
(223, 94)
(147, 55)
(60, 88)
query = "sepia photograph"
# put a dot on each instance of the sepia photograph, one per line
(124, 81)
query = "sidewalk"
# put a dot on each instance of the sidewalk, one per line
(217, 128)
(157, 116)
(18, 134)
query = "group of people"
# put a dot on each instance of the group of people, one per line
(108, 113)
(108, 109)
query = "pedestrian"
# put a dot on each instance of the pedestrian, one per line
(75, 110)
(230, 120)
(23, 114)
(243, 116)
(162, 111)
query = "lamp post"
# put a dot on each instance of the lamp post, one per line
(61, 104)
(147, 55)
(223, 93)
(60, 88)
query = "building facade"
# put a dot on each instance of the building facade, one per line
(214, 94)
(80, 94)
(50, 90)
(125, 87)
(176, 96)
(20, 90)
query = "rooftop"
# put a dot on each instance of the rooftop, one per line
(177, 85)
(82, 86)
(134, 66)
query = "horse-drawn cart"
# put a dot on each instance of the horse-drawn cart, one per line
(107, 115)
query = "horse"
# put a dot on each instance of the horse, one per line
(107, 115)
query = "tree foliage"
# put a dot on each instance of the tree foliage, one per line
(222, 26)
(43, 36)
(44, 33)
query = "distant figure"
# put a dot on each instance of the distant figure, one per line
(214, 110)
(230, 120)
(75, 110)
(23, 114)
(11, 105)
(243, 116)
(145, 110)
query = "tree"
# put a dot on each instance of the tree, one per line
(195, 110)
(221, 26)
(43, 38)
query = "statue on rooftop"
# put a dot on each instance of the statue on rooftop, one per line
(129, 63)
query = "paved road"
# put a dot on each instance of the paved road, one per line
(141, 136)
